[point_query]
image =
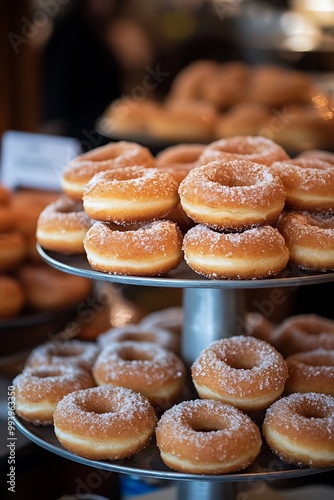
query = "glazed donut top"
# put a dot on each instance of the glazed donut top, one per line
(236, 180)
(253, 148)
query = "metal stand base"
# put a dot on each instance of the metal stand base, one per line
(200, 490)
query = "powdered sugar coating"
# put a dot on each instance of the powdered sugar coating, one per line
(70, 353)
(244, 371)
(251, 254)
(232, 194)
(253, 148)
(145, 249)
(144, 367)
(300, 429)
(309, 183)
(104, 422)
(207, 436)
(311, 371)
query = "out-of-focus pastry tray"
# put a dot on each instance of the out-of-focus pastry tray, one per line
(182, 276)
(148, 462)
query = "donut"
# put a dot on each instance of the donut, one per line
(184, 120)
(130, 195)
(12, 297)
(138, 333)
(251, 148)
(207, 437)
(276, 86)
(104, 423)
(115, 155)
(128, 116)
(309, 238)
(189, 82)
(232, 194)
(48, 289)
(299, 428)
(228, 86)
(252, 254)
(309, 183)
(38, 390)
(62, 226)
(317, 154)
(311, 371)
(143, 367)
(70, 353)
(243, 371)
(179, 160)
(13, 250)
(148, 249)
(170, 318)
(303, 332)
(246, 119)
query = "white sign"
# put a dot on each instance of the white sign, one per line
(30, 160)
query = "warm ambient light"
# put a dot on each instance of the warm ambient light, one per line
(320, 11)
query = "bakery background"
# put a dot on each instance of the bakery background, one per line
(53, 82)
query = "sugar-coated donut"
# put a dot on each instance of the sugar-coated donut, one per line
(114, 155)
(255, 253)
(148, 249)
(130, 195)
(309, 238)
(38, 390)
(139, 333)
(318, 154)
(183, 120)
(170, 318)
(12, 297)
(47, 288)
(144, 367)
(309, 183)
(128, 116)
(251, 148)
(232, 194)
(62, 226)
(180, 159)
(71, 353)
(246, 118)
(13, 250)
(207, 437)
(243, 371)
(189, 82)
(104, 422)
(303, 332)
(311, 371)
(299, 428)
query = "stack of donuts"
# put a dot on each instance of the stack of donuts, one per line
(210, 100)
(223, 206)
(107, 399)
(26, 284)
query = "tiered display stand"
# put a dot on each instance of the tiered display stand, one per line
(213, 309)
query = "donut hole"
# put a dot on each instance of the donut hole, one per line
(318, 362)
(313, 413)
(131, 353)
(239, 362)
(47, 373)
(65, 352)
(138, 337)
(225, 178)
(98, 406)
(205, 425)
